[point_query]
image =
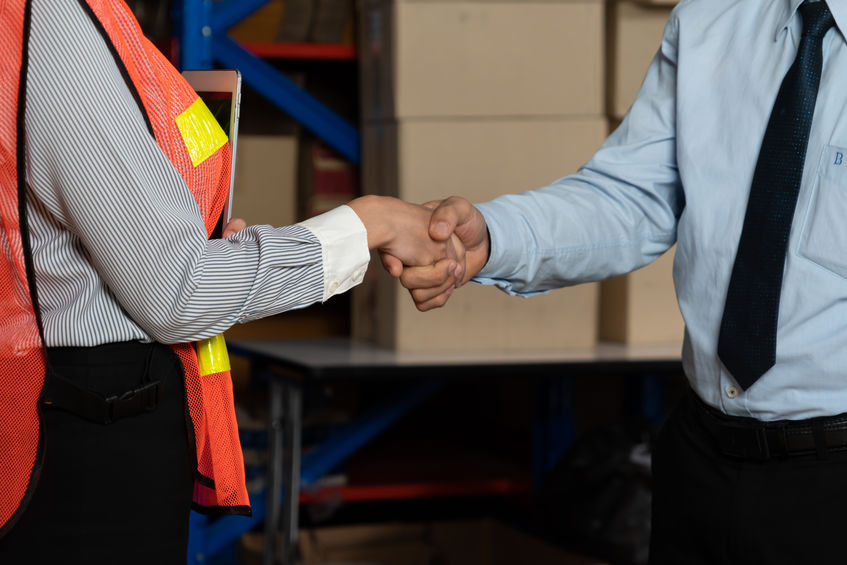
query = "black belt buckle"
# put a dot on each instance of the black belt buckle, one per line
(132, 402)
(773, 441)
(757, 443)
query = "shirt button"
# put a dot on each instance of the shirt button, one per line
(333, 286)
(732, 392)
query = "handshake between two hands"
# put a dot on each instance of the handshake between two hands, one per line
(432, 248)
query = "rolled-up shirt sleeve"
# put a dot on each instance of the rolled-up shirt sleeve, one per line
(344, 249)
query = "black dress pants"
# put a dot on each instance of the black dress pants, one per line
(711, 509)
(111, 494)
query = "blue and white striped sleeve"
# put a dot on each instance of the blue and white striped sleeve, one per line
(118, 242)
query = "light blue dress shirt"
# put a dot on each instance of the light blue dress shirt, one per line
(679, 169)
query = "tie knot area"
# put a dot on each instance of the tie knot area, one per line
(817, 19)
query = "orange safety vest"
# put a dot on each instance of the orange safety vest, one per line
(165, 99)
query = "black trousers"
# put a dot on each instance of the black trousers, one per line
(116, 493)
(711, 509)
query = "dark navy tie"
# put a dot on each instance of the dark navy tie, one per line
(747, 342)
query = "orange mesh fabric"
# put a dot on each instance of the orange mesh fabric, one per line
(165, 94)
(219, 482)
(21, 353)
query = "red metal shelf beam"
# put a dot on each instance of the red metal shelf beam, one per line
(410, 491)
(311, 51)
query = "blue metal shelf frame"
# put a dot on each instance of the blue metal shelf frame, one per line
(204, 43)
(211, 538)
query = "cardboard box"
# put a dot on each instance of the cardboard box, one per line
(382, 544)
(480, 58)
(320, 21)
(634, 35)
(262, 25)
(266, 180)
(422, 160)
(331, 21)
(296, 21)
(476, 318)
(483, 542)
(641, 307)
(479, 159)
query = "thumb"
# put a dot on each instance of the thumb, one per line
(392, 264)
(445, 218)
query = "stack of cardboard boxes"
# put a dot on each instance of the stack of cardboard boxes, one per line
(638, 308)
(480, 98)
(477, 98)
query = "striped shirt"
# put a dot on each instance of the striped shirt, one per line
(119, 247)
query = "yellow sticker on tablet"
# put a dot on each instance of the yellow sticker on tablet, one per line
(200, 131)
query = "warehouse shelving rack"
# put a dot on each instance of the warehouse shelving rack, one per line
(204, 43)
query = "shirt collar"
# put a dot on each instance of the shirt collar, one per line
(787, 9)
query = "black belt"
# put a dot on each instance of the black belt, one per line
(747, 438)
(65, 394)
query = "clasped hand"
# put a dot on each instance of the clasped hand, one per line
(435, 257)
(432, 248)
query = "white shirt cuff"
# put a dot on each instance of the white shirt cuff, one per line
(344, 248)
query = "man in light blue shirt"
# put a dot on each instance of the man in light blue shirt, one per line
(734, 483)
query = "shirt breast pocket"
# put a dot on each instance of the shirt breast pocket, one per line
(824, 237)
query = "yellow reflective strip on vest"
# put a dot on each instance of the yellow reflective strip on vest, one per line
(200, 131)
(212, 356)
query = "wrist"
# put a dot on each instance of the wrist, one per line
(372, 211)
